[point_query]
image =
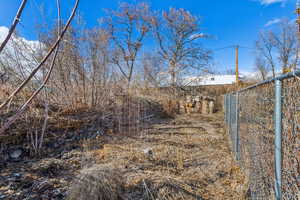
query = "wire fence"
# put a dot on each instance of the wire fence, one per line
(263, 122)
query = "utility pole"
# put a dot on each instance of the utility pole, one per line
(298, 17)
(237, 64)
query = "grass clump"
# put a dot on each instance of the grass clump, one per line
(99, 182)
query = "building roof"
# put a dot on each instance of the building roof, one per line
(211, 80)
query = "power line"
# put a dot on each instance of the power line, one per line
(222, 48)
(243, 47)
(233, 46)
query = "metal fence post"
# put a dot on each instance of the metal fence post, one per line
(229, 112)
(278, 129)
(225, 108)
(237, 138)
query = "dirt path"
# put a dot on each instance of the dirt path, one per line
(185, 158)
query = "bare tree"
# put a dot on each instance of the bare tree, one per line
(261, 67)
(128, 27)
(69, 76)
(153, 70)
(286, 43)
(177, 33)
(99, 68)
(279, 47)
(265, 48)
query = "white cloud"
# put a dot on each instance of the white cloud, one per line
(268, 2)
(272, 22)
(197, 35)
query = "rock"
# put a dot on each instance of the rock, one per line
(17, 175)
(16, 154)
(148, 152)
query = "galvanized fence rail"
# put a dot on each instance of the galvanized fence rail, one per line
(263, 122)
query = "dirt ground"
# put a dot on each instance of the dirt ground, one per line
(184, 158)
(187, 157)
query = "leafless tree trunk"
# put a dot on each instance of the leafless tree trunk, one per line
(128, 27)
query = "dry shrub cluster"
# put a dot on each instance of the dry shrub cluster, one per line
(119, 112)
(171, 107)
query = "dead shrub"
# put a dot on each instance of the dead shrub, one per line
(101, 182)
(171, 107)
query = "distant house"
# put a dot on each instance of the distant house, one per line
(211, 79)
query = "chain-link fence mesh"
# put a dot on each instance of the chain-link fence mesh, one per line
(250, 120)
(291, 139)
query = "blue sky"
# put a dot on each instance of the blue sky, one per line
(229, 22)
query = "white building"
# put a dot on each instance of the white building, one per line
(211, 79)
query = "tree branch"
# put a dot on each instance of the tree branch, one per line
(12, 119)
(45, 58)
(14, 25)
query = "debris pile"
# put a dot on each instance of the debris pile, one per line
(198, 104)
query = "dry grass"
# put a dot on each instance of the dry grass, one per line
(99, 182)
(187, 158)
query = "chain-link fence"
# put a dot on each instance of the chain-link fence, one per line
(263, 122)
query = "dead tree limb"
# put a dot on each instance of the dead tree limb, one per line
(23, 108)
(14, 25)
